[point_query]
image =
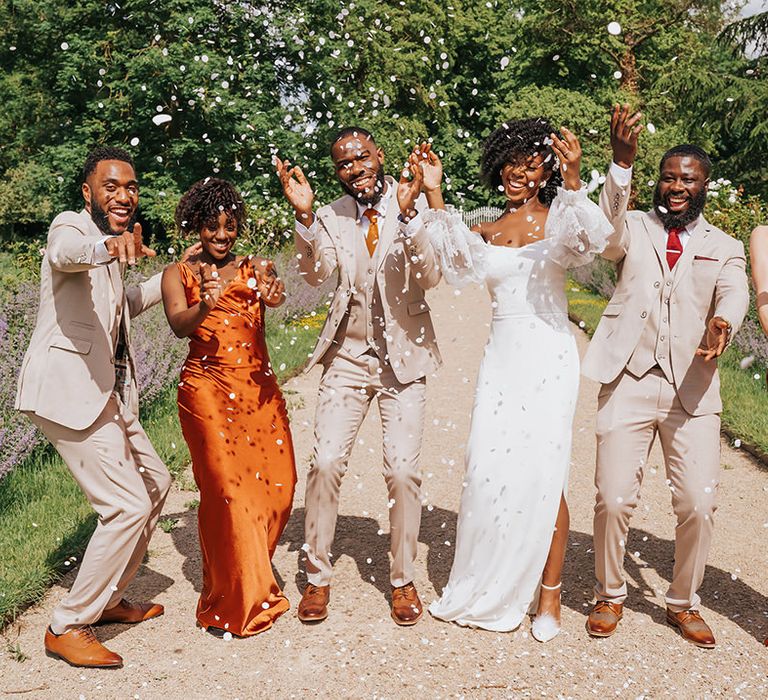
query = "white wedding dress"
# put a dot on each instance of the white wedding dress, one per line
(519, 447)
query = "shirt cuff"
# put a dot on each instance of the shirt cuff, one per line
(101, 255)
(622, 176)
(410, 228)
(307, 233)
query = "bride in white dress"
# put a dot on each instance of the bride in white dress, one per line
(513, 520)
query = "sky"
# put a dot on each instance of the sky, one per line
(754, 6)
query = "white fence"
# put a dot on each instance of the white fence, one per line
(475, 216)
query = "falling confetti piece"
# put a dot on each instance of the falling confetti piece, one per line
(614, 28)
(159, 119)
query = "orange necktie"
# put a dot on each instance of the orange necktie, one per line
(372, 237)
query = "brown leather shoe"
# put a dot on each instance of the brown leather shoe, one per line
(79, 647)
(406, 606)
(313, 606)
(604, 617)
(692, 627)
(129, 614)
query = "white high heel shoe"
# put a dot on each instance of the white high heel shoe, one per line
(545, 627)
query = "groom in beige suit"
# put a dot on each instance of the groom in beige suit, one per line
(377, 342)
(681, 295)
(77, 384)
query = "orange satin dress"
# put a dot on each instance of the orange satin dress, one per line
(235, 422)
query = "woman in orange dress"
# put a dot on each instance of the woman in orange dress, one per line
(232, 413)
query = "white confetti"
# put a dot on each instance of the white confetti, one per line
(159, 119)
(614, 28)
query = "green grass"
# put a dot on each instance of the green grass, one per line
(45, 520)
(745, 399)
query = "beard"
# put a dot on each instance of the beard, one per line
(373, 195)
(101, 219)
(683, 218)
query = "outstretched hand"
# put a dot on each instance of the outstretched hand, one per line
(192, 251)
(625, 130)
(568, 151)
(128, 246)
(296, 189)
(718, 335)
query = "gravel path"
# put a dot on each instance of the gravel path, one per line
(360, 653)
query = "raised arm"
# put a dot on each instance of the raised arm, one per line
(182, 318)
(614, 198)
(758, 255)
(316, 252)
(576, 226)
(418, 247)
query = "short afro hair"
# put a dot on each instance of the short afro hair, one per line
(690, 150)
(351, 131)
(104, 153)
(205, 201)
(516, 142)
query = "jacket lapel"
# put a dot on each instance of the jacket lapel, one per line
(658, 236)
(388, 226)
(695, 244)
(345, 211)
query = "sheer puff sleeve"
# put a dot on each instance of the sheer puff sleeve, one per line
(576, 227)
(460, 252)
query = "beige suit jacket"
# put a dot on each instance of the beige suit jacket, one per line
(68, 372)
(405, 268)
(708, 280)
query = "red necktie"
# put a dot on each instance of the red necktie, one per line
(674, 246)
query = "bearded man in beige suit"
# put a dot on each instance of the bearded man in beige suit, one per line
(78, 385)
(681, 294)
(377, 342)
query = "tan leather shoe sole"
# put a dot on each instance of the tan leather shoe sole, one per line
(81, 649)
(406, 608)
(316, 598)
(680, 629)
(406, 623)
(603, 633)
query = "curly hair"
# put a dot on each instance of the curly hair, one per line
(516, 142)
(104, 153)
(205, 201)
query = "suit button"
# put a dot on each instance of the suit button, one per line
(657, 284)
(370, 272)
(643, 315)
(667, 283)
(112, 360)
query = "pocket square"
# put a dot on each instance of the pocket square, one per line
(703, 257)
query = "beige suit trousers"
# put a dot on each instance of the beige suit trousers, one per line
(347, 387)
(126, 483)
(631, 412)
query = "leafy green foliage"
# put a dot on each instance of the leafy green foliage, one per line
(239, 81)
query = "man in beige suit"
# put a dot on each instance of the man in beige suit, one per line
(681, 294)
(77, 384)
(377, 342)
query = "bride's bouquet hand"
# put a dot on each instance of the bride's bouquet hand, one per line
(568, 151)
